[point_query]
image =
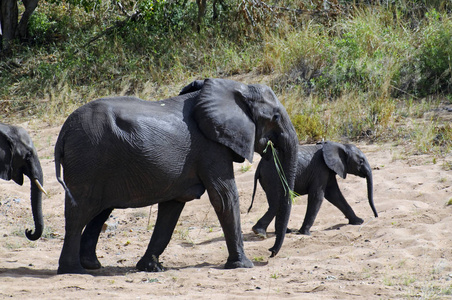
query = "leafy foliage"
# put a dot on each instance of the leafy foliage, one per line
(433, 59)
(348, 69)
(39, 26)
(87, 5)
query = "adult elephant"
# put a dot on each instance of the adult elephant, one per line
(18, 157)
(125, 152)
(316, 176)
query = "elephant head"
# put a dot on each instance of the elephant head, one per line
(247, 118)
(18, 157)
(347, 158)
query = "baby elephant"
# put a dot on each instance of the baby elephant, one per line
(316, 176)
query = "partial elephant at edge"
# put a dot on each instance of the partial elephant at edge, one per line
(18, 157)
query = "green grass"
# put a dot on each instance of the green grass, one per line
(49, 233)
(364, 74)
(245, 168)
(259, 259)
(15, 245)
(447, 165)
(348, 81)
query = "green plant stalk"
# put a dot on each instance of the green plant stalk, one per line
(280, 171)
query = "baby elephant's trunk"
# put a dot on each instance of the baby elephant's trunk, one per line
(370, 192)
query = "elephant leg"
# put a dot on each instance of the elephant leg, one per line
(226, 205)
(89, 240)
(260, 228)
(167, 217)
(315, 199)
(334, 196)
(76, 218)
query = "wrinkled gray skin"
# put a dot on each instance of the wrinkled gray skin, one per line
(125, 152)
(18, 157)
(316, 176)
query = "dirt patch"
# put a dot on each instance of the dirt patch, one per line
(406, 252)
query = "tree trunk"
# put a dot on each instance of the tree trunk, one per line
(201, 12)
(10, 28)
(8, 21)
(30, 6)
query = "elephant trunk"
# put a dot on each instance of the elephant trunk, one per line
(36, 206)
(288, 159)
(370, 192)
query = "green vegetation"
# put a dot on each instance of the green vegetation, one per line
(49, 233)
(245, 168)
(355, 70)
(259, 259)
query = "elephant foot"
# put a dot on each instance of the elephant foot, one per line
(71, 270)
(243, 263)
(150, 265)
(355, 221)
(260, 232)
(304, 231)
(90, 263)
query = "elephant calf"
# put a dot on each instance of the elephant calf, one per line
(317, 167)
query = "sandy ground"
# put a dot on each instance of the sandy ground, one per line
(405, 253)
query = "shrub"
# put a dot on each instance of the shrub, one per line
(39, 26)
(428, 69)
(309, 128)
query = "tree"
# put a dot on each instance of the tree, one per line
(10, 27)
(201, 12)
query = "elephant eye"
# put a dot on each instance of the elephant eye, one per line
(28, 156)
(276, 117)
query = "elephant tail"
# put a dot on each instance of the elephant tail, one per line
(256, 177)
(59, 154)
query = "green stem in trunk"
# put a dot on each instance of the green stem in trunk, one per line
(280, 171)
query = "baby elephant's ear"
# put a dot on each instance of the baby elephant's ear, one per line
(222, 115)
(335, 157)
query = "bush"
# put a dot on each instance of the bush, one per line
(340, 73)
(39, 26)
(309, 128)
(434, 59)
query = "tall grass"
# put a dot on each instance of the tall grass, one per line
(357, 73)
(357, 78)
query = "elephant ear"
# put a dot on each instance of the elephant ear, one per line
(5, 156)
(222, 114)
(192, 87)
(335, 157)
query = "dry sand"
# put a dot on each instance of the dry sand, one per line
(405, 253)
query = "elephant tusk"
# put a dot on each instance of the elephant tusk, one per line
(40, 186)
